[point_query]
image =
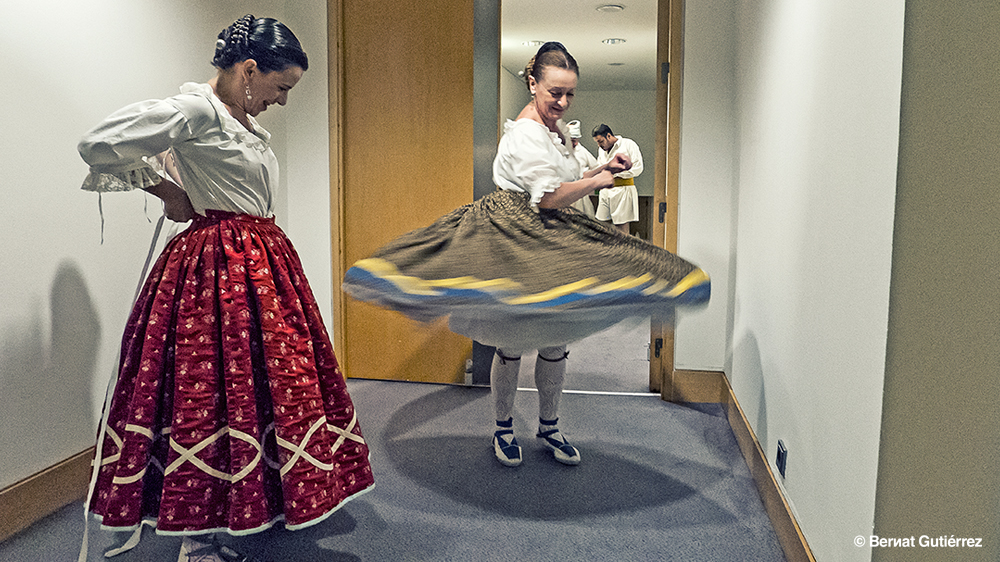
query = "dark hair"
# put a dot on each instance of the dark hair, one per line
(550, 54)
(265, 40)
(602, 130)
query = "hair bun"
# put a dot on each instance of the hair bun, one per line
(552, 53)
(233, 42)
(528, 69)
(240, 34)
(265, 40)
(551, 46)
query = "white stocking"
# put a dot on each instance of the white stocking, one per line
(503, 382)
(550, 370)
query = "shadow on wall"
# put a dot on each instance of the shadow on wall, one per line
(46, 410)
(748, 376)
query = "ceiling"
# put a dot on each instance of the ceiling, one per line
(581, 27)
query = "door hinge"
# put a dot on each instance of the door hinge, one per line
(664, 72)
(663, 211)
(657, 346)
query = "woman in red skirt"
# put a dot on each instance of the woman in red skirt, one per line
(230, 412)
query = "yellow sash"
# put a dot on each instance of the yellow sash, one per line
(624, 181)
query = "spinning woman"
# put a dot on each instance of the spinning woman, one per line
(521, 270)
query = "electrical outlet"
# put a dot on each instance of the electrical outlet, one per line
(781, 459)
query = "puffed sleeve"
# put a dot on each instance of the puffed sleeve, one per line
(527, 152)
(121, 149)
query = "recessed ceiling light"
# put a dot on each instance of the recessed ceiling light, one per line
(613, 41)
(610, 8)
(532, 43)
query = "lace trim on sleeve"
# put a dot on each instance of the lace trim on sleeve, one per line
(545, 186)
(137, 178)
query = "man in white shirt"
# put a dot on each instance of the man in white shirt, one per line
(618, 204)
(587, 162)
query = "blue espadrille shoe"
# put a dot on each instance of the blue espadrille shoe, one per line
(505, 446)
(550, 437)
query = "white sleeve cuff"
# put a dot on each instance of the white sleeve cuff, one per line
(138, 178)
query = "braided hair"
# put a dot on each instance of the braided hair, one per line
(265, 40)
(552, 54)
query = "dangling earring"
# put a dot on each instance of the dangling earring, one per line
(249, 97)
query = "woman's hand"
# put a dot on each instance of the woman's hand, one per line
(604, 179)
(179, 208)
(619, 163)
(176, 203)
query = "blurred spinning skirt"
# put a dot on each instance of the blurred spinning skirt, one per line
(230, 411)
(508, 275)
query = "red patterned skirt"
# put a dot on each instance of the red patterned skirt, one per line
(230, 411)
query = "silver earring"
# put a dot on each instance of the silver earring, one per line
(249, 97)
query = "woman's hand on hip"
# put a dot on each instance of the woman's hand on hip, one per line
(179, 208)
(176, 203)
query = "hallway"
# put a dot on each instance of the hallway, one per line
(658, 481)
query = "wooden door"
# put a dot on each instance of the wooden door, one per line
(401, 156)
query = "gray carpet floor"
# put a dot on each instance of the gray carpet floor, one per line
(658, 481)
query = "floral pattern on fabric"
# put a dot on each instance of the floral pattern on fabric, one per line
(230, 412)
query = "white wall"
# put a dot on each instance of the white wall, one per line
(64, 295)
(707, 176)
(630, 114)
(514, 96)
(814, 88)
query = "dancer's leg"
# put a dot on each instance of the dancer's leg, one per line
(503, 381)
(207, 548)
(201, 547)
(550, 371)
(503, 385)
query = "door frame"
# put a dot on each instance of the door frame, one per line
(670, 73)
(335, 97)
(670, 65)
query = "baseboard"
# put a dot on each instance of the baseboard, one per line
(793, 542)
(713, 386)
(695, 386)
(44, 493)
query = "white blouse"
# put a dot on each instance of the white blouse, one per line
(532, 159)
(221, 164)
